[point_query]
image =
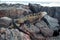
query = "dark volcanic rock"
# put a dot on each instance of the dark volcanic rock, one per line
(35, 8)
(32, 28)
(50, 10)
(44, 29)
(51, 22)
(53, 38)
(36, 27)
(5, 22)
(14, 12)
(47, 32)
(12, 34)
(41, 24)
(57, 14)
(2, 13)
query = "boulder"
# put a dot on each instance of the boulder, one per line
(51, 11)
(51, 22)
(47, 32)
(53, 38)
(31, 28)
(13, 34)
(35, 8)
(44, 29)
(5, 21)
(57, 13)
(36, 35)
(2, 13)
(14, 12)
(41, 23)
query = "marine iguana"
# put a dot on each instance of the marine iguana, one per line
(32, 17)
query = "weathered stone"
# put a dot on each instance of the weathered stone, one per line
(35, 8)
(13, 34)
(14, 12)
(53, 38)
(2, 13)
(57, 13)
(34, 31)
(51, 22)
(31, 28)
(5, 21)
(47, 32)
(44, 29)
(41, 23)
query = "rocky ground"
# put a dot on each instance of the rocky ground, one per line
(45, 26)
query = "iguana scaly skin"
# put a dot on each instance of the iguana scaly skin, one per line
(32, 17)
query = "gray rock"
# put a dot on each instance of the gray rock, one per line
(57, 13)
(41, 24)
(5, 21)
(53, 38)
(32, 28)
(44, 29)
(13, 34)
(47, 32)
(51, 22)
(35, 8)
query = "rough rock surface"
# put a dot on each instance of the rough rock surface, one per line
(44, 29)
(5, 21)
(51, 22)
(12, 34)
(35, 8)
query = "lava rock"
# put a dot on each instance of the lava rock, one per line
(13, 34)
(44, 29)
(51, 11)
(41, 23)
(47, 32)
(57, 13)
(51, 22)
(5, 21)
(35, 8)
(53, 38)
(32, 28)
